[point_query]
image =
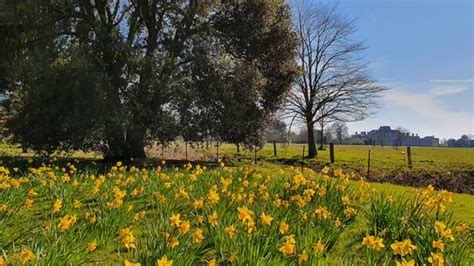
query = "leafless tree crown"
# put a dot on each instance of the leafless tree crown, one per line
(334, 83)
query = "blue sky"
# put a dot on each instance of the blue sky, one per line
(423, 51)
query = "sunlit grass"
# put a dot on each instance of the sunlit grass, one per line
(356, 156)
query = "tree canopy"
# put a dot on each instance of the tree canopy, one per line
(115, 76)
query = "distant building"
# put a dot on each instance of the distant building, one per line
(385, 136)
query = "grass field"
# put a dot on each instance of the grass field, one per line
(350, 156)
(356, 156)
(444, 168)
(266, 214)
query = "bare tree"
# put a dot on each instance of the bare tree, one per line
(401, 137)
(278, 131)
(340, 130)
(334, 83)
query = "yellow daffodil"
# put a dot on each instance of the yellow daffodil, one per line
(66, 222)
(230, 230)
(171, 241)
(128, 239)
(77, 204)
(164, 261)
(283, 228)
(404, 262)
(26, 255)
(233, 259)
(244, 214)
(175, 219)
(213, 219)
(403, 248)
(289, 246)
(266, 219)
(57, 206)
(323, 213)
(92, 246)
(350, 212)
(32, 193)
(436, 259)
(303, 257)
(287, 249)
(198, 204)
(28, 203)
(129, 263)
(337, 223)
(212, 262)
(373, 242)
(439, 226)
(438, 244)
(184, 227)
(462, 228)
(318, 247)
(198, 236)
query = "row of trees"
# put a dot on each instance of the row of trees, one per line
(115, 76)
(464, 141)
(337, 132)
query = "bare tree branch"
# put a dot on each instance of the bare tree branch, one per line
(334, 83)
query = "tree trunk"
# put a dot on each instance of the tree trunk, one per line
(135, 143)
(124, 147)
(115, 145)
(311, 141)
(321, 146)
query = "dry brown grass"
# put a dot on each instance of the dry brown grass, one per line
(177, 151)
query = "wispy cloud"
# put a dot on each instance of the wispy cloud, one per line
(443, 87)
(452, 80)
(427, 107)
(441, 91)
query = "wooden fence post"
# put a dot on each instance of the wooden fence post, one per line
(410, 164)
(368, 167)
(186, 147)
(274, 149)
(255, 154)
(331, 152)
(302, 160)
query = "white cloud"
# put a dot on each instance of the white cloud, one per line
(452, 80)
(441, 91)
(442, 87)
(427, 109)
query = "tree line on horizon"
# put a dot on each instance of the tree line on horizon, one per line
(116, 76)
